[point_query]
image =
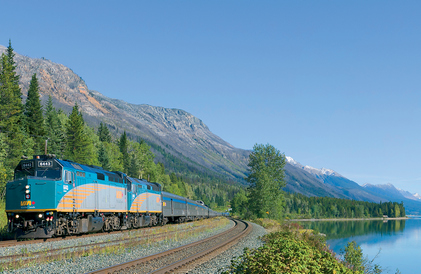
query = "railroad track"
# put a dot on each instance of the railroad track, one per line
(45, 252)
(184, 258)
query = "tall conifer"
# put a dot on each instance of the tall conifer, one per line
(33, 114)
(103, 133)
(54, 130)
(11, 108)
(103, 157)
(124, 149)
(77, 141)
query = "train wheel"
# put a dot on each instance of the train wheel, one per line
(154, 220)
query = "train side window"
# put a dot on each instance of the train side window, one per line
(68, 177)
(100, 176)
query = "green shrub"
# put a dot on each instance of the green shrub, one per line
(288, 251)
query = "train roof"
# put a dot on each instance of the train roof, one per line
(95, 169)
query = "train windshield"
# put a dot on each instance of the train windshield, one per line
(48, 169)
(24, 169)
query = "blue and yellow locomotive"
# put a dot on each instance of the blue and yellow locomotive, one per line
(52, 197)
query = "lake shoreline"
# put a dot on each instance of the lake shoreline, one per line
(348, 219)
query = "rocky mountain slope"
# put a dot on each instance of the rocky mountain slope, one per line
(338, 185)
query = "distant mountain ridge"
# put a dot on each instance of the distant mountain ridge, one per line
(351, 190)
(185, 136)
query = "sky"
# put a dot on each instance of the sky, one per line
(332, 84)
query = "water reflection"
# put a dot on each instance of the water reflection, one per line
(398, 241)
(345, 229)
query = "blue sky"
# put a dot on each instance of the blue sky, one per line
(333, 84)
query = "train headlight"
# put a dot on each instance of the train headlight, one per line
(17, 216)
(40, 216)
(27, 191)
(27, 186)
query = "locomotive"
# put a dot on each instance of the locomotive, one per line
(50, 197)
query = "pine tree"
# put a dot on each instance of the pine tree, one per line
(77, 142)
(103, 133)
(54, 130)
(33, 114)
(124, 149)
(103, 157)
(133, 169)
(11, 108)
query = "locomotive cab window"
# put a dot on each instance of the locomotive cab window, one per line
(24, 169)
(48, 169)
(68, 177)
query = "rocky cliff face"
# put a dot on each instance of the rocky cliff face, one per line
(181, 133)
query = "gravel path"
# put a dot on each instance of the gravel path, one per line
(99, 261)
(223, 260)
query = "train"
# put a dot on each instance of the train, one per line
(51, 197)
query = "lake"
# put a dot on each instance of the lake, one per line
(399, 241)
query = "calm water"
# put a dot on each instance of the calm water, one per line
(399, 241)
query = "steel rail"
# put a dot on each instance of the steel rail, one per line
(144, 260)
(185, 263)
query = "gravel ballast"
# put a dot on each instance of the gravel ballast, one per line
(223, 260)
(99, 261)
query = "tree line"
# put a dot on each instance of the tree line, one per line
(300, 206)
(264, 198)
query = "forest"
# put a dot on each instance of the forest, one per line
(300, 206)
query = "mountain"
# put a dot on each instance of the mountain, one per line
(409, 195)
(388, 191)
(181, 140)
(391, 193)
(337, 184)
(176, 131)
(351, 190)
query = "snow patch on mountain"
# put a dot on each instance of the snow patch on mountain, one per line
(312, 170)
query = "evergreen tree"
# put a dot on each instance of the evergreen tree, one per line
(103, 157)
(33, 115)
(124, 149)
(77, 141)
(266, 178)
(115, 156)
(103, 133)
(133, 169)
(54, 130)
(11, 109)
